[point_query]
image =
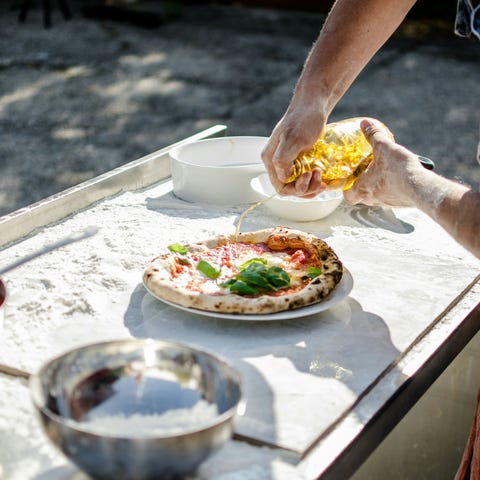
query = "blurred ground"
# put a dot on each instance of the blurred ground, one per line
(90, 94)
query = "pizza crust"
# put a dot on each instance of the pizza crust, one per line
(157, 276)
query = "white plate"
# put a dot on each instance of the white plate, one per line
(340, 292)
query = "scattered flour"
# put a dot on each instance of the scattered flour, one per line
(92, 291)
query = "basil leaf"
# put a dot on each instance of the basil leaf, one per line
(177, 248)
(261, 268)
(207, 269)
(313, 272)
(228, 283)
(242, 288)
(255, 278)
(278, 277)
(253, 261)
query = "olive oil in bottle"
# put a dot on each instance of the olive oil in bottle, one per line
(342, 153)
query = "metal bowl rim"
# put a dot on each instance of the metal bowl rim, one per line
(218, 421)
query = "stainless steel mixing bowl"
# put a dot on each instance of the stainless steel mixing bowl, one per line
(137, 409)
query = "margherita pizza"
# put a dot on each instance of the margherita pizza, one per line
(262, 272)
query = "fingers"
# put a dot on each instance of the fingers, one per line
(373, 132)
(310, 184)
(278, 155)
(290, 137)
(267, 158)
(283, 158)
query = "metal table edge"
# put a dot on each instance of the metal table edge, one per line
(134, 175)
(421, 365)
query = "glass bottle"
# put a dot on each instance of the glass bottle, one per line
(342, 153)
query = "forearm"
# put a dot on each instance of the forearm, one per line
(353, 32)
(452, 205)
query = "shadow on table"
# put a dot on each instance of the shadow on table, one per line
(147, 317)
(344, 344)
(380, 217)
(353, 346)
(174, 207)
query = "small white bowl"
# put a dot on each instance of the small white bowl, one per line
(295, 208)
(217, 170)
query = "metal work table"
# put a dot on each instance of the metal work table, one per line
(322, 391)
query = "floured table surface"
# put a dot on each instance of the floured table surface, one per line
(301, 374)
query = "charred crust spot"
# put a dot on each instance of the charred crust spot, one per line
(295, 304)
(337, 276)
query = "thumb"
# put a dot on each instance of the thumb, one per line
(373, 132)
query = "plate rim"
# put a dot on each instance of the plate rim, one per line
(335, 297)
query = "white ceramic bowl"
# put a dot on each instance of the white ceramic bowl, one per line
(217, 170)
(294, 208)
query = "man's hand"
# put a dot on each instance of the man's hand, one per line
(387, 179)
(294, 134)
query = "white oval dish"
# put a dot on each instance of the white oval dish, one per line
(295, 208)
(217, 170)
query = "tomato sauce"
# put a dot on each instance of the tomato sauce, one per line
(225, 257)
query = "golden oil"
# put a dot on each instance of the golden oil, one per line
(342, 153)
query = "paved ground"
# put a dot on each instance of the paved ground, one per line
(88, 95)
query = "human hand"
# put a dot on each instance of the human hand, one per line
(388, 178)
(294, 134)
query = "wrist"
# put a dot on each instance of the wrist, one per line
(430, 191)
(314, 96)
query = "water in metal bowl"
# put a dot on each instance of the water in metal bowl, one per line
(137, 409)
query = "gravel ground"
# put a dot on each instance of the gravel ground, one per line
(88, 95)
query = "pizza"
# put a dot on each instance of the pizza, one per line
(260, 272)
